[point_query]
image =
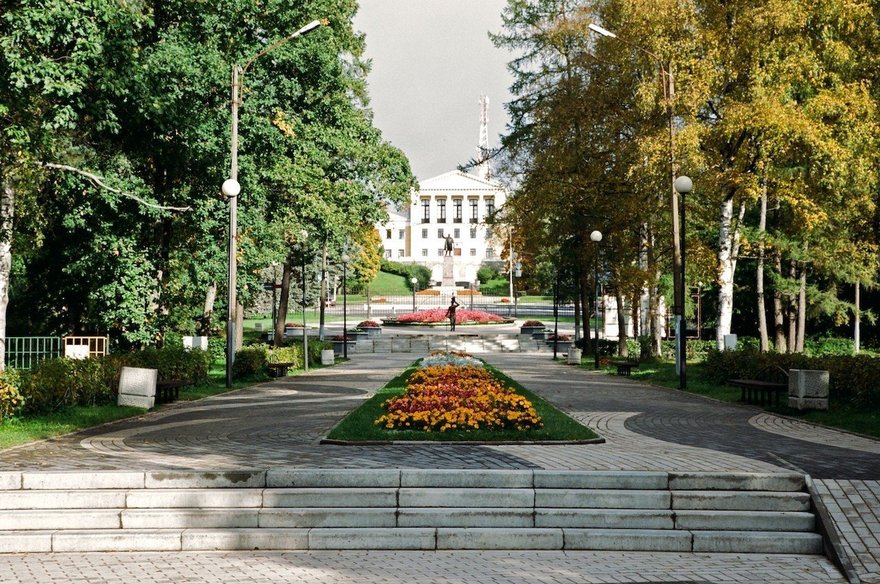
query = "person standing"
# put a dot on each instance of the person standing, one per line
(450, 312)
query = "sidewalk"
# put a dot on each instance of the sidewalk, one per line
(280, 423)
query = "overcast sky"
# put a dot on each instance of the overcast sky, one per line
(432, 59)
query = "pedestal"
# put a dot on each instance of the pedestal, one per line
(448, 273)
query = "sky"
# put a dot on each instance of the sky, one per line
(431, 61)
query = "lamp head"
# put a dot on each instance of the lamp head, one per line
(230, 188)
(683, 185)
(345, 258)
(596, 236)
(413, 280)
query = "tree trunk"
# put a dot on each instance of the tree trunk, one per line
(208, 310)
(635, 315)
(857, 333)
(584, 302)
(759, 277)
(780, 341)
(281, 317)
(7, 213)
(322, 301)
(239, 326)
(728, 250)
(802, 309)
(577, 307)
(792, 311)
(656, 320)
(621, 324)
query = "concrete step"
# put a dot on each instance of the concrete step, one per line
(405, 509)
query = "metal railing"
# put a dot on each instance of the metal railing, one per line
(27, 352)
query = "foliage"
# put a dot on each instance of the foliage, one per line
(369, 324)
(250, 360)
(408, 271)
(11, 400)
(58, 383)
(170, 362)
(533, 323)
(488, 273)
(852, 379)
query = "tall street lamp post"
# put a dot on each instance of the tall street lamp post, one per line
(683, 185)
(345, 259)
(596, 237)
(304, 235)
(669, 95)
(415, 282)
(231, 188)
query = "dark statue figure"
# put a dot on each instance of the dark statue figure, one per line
(449, 244)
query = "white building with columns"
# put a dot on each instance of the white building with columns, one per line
(456, 204)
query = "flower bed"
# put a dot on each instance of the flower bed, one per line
(448, 396)
(462, 316)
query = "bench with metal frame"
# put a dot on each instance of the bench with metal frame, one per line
(765, 390)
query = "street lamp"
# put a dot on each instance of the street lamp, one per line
(231, 188)
(683, 185)
(517, 272)
(596, 237)
(415, 282)
(669, 94)
(345, 259)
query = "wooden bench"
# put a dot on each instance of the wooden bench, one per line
(279, 369)
(762, 391)
(169, 391)
(625, 367)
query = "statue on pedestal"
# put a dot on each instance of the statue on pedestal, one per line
(449, 244)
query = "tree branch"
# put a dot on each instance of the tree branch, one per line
(99, 182)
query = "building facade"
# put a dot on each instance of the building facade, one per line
(453, 204)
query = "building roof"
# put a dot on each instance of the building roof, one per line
(457, 180)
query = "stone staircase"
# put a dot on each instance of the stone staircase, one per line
(468, 342)
(310, 509)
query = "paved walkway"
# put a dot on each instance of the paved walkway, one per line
(279, 424)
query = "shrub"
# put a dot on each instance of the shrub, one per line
(369, 324)
(59, 383)
(290, 354)
(533, 323)
(11, 400)
(250, 360)
(172, 362)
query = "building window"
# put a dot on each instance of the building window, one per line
(440, 233)
(424, 233)
(387, 234)
(388, 253)
(424, 253)
(441, 211)
(473, 232)
(426, 210)
(490, 205)
(401, 233)
(475, 217)
(440, 252)
(456, 203)
(488, 234)
(473, 252)
(456, 233)
(400, 253)
(490, 253)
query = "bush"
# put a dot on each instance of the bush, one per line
(421, 273)
(486, 273)
(533, 323)
(171, 362)
(250, 360)
(852, 378)
(59, 383)
(11, 400)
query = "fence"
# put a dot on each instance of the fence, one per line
(26, 352)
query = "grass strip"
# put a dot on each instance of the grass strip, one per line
(359, 425)
(861, 421)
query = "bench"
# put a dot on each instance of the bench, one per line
(762, 391)
(169, 391)
(625, 367)
(279, 369)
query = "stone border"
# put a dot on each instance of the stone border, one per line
(326, 440)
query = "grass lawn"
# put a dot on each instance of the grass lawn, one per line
(387, 284)
(842, 417)
(358, 426)
(15, 431)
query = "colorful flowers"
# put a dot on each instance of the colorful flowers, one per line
(449, 396)
(369, 324)
(438, 315)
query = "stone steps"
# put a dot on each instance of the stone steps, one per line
(406, 509)
(470, 343)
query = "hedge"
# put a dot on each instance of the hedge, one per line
(254, 358)
(854, 380)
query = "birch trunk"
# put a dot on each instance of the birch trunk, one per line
(802, 310)
(778, 311)
(208, 310)
(728, 250)
(7, 213)
(759, 276)
(283, 303)
(792, 312)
